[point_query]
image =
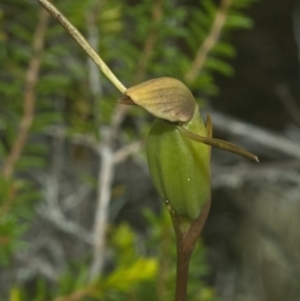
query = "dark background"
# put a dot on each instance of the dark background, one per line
(267, 58)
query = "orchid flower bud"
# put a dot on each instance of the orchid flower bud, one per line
(180, 167)
(178, 144)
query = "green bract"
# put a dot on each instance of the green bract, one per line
(180, 167)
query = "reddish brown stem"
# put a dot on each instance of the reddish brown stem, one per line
(183, 260)
(29, 96)
(186, 242)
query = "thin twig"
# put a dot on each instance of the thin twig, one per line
(29, 96)
(83, 43)
(61, 132)
(52, 211)
(38, 266)
(209, 42)
(123, 153)
(59, 220)
(105, 179)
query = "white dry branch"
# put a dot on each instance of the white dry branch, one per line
(52, 211)
(257, 135)
(61, 132)
(105, 178)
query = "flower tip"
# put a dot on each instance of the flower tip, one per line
(252, 157)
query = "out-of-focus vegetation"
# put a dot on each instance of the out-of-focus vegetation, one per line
(56, 112)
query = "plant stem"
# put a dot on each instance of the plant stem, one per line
(183, 260)
(186, 242)
(83, 43)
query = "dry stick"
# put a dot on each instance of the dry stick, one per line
(82, 42)
(29, 96)
(209, 42)
(60, 132)
(257, 135)
(105, 178)
(122, 153)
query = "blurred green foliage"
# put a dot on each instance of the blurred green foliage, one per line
(136, 274)
(64, 100)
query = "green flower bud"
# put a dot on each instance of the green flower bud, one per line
(180, 167)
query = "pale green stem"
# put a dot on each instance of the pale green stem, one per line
(83, 43)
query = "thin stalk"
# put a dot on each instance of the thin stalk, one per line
(183, 260)
(83, 44)
(186, 242)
